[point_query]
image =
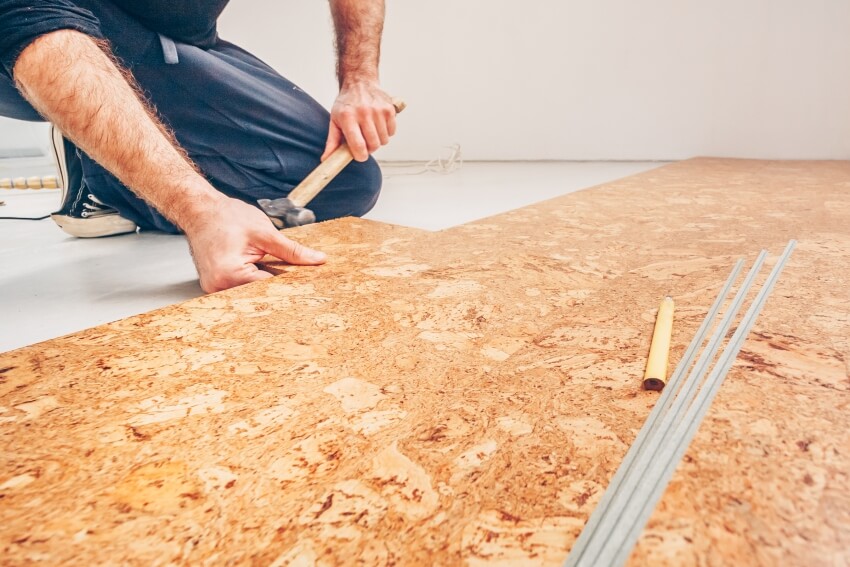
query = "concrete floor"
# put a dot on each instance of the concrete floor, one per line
(52, 284)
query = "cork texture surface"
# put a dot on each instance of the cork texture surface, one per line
(453, 398)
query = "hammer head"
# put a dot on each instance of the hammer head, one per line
(285, 214)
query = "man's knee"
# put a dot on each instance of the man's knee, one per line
(13, 105)
(367, 184)
(352, 194)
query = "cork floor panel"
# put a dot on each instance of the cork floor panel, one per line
(460, 397)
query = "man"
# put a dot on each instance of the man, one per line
(168, 127)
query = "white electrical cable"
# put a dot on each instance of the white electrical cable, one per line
(451, 163)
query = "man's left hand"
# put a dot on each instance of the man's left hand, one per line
(364, 117)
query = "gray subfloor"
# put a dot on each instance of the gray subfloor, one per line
(52, 284)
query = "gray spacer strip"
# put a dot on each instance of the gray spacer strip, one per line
(650, 426)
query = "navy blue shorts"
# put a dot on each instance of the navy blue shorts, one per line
(253, 134)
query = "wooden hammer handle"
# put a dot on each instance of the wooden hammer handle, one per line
(327, 170)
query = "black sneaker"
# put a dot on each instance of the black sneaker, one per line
(81, 214)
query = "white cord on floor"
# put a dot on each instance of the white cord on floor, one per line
(442, 165)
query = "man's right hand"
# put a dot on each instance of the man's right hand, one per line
(228, 240)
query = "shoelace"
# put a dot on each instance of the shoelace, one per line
(95, 208)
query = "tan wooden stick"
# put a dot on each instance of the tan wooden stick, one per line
(327, 170)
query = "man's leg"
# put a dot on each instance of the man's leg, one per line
(252, 133)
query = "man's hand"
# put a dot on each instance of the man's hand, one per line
(363, 115)
(226, 243)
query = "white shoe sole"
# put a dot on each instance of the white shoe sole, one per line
(107, 225)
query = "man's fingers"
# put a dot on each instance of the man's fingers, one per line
(334, 140)
(236, 236)
(277, 245)
(391, 124)
(223, 280)
(365, 117)
(255, 276)
(370, 134)
(354, 139)
(239, 272)
(382, 129)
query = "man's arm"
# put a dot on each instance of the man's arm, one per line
(72, 81)
(363, 114)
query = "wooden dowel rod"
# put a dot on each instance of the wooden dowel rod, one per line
(659, 351)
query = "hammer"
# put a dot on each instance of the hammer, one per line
(291, 211)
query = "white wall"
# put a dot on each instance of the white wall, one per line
(569, 79)
(593, 79)
(18, 135)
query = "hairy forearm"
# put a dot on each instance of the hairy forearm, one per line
(359, 25)
(72, 81)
